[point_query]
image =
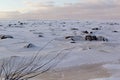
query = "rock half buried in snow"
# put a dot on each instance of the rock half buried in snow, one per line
(101, 38)
(75, 38)
(29, 45)
(5, 36)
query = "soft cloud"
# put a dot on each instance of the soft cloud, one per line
(88, 9)
(10, 15)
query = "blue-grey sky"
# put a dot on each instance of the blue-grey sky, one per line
(59, 9)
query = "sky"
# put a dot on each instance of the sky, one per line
(60, 9)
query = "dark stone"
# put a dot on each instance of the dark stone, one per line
(5, 36)
(30, 45)
(67, 37)
(10, 25)
(21, 23)
(74, 38)
(91, 32)
(70, 37)
(40, 35)
(94, 38)
(115, 31)
(90, 38)
(74, 29)
(95, 28)
(101, 38)
(73, 42)
(86, 32)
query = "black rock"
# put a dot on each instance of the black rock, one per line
(86, 32)
(95, 28)
(91, 37)
(74, 29)
(29, 45)
(5, 36)
(40, 35)
(115, 31)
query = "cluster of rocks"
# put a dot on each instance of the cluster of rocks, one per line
(96, 28)
(90, 37)
(86, 32)
(95, 38)
(86, 38)
(17, 25)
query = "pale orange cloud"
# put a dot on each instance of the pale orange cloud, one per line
(88, 9)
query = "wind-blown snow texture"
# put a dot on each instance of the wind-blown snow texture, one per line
(39, 33)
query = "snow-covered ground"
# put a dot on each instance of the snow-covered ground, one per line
(53, 33)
